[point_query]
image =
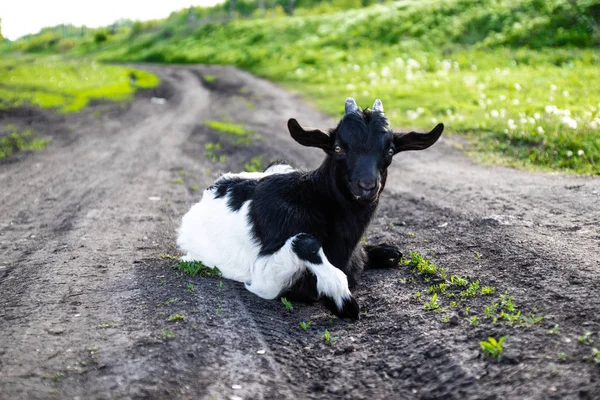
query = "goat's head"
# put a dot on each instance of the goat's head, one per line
(361, 148)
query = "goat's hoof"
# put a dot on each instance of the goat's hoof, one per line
(350, 309)
(383, 256)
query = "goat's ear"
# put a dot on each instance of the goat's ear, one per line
(416, 140)
(311, 138)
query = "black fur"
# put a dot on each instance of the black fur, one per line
(307, 248)
(327, 204)
(239, 190)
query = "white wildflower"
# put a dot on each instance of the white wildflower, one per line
(540, 130)
(413, 63)
(570, 122)
(580, 152)
(494, 113)
(517, 87)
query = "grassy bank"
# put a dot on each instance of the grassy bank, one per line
(518, 78)
(65, 85)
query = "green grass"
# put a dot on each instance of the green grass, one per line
(196, 268)
(59, 376)
(19, 141)
(288, 304)
(226, 127)
(514, 77)
(329, 339)
(177, 317)
(65, 85)
(237, 134)
(416, 262)
(492, 347)
(305, 325)
(167, 334)
(517, 78)
(455, 291)
(254, 165)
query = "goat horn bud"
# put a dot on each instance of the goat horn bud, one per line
(378, 106)
(351, 106)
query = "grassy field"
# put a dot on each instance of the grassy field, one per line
(518, 78)
(65, 85)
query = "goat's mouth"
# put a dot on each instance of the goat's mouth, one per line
(362, 196)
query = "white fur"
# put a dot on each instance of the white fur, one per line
(218, 237)
(272, 274)
(331, 281)
(279, 169)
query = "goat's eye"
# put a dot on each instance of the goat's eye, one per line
(391, 152)
(337, 149)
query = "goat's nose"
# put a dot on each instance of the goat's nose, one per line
(367, 184)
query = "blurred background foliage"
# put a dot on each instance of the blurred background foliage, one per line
(518, 78)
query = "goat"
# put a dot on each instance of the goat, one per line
(292, 233)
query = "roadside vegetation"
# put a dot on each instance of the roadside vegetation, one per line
(517, 78)
(66, 85)
(12, 140)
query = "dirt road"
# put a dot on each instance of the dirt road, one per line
(84, 292)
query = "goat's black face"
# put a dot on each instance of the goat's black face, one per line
(362, 147)
(362, 150)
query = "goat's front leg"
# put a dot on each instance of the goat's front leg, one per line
(382, 256)
(321, 280)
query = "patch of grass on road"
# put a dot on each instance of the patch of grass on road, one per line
(196, 268)
(238, 134)
(18, 141)
(458, 292)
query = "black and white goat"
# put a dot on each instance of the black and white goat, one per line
(295, 233)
